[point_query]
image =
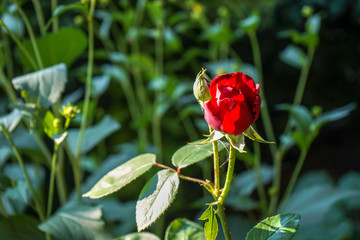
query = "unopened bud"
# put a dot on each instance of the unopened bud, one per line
(56, 123)
(69, 111)
(307, 11)
(201, 87)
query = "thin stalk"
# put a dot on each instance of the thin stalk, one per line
(2, 208)
(264, 110)
(159, 57)
(229, 176)
(223, 221)
(294, 176)
(8, 56)
(297, 100)
(40, 16)
(305, 68)
(38, 208)
(31, 34)
(216, 168)
(86, 99)
(20, 45)
(55, 23)
(60, 179)
(260, 185)
(8, 87)
(52, 180)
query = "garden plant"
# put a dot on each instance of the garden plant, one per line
(141, 120)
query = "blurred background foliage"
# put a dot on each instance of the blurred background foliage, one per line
(147, 54)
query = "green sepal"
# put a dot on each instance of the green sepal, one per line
(214, 136)
(254, 136)
(237, 142)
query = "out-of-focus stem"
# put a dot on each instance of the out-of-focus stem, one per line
(40, 16)
(52, 180)
(85, 111)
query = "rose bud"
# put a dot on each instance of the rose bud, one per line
(201, 87)
(234, 104)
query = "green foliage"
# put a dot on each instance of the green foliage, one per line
(282, 226)
(182, 228)
(93, 135)
(56, 48)
(122, 175)
(253, 135)
(292, 55)
(190, 154)
(211, 227)
(11, 120)
(76, 221)
(43, 87)
(156, 196)
(139, 236)
(20, 227)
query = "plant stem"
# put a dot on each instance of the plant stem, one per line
(223, 221)
(260, 185)
(8, 56)
(55, 23)
(294, 176)
(20, 45)
(229, 176)
(60, 180)
(52, 180)
(8, 87)
(31, 34)
(216, 168)
(297, 100)
(264, 108)
(38, 208)
(2, 208)
(40, 16)
(86, 99)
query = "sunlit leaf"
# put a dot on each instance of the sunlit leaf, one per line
(45, 85)
(100, 84)
(13, 23)
(122, 175)
(156, 196)
(211, 227)
(139, 236)
(76, 221)
(251, 23)
(181, 229)
(282, 226)
(93, 135)
(190, 154)
(335, 114)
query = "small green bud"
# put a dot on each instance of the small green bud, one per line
(79, 20)
(56, 123)
(316, 110)
(201, 87)
(307, 11)
(24, 93)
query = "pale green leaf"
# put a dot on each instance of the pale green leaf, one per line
(139, 236)
(253, 135)
(214, 136)
(190, 154)
(292, 55)
(49, 127)
(76, 221)
(63, 46)
(211, 227)
(182, 229)
(156, 197)
(122, 175)
(335, 114)
(11, 120)
(250, 23)
(45, 85)
(282, 226)
(93, 135)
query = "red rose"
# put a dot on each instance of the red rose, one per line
(235, 103)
